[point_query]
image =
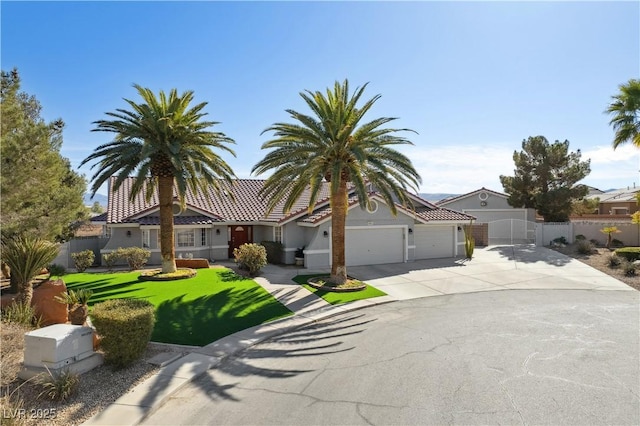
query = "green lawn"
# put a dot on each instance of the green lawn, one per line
(338, 298)
(195, 311)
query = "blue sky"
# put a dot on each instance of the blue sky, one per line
(472, 78)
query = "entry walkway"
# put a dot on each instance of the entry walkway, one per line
(492, 268)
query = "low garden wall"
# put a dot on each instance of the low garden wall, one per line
(192, 263)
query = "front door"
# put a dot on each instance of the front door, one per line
(240, 234)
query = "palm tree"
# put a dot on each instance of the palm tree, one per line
(331, 145)
(625, 109)
(26, 256)
(165, 144)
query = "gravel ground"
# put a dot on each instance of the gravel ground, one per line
(599, 259)
(98, 387)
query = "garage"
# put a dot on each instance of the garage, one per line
(433, 242)
(374, 246)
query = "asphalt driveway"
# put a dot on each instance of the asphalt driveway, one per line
(508, 357)
(558, 344)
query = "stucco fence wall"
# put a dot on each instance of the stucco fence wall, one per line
(629, 232)
(80, 244)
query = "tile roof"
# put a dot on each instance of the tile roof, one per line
(623, 195)
(477, 191)
(248, 207)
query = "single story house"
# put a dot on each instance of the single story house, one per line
(212, 228)
(617, 202)
(489, 207)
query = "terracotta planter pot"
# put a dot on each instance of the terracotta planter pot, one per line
(78, 314)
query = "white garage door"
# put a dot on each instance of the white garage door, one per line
(373, 246)
(433, 242)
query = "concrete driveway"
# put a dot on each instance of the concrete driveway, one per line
(492, 268)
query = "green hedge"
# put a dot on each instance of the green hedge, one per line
(125, 326)
(629, 253)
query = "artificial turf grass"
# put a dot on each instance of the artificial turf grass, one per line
(335, 298)
(194, 311)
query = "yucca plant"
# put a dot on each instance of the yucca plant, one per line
(77, 301)
(60, 386)
(469, 241)
(26, 256)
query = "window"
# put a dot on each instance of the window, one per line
(186, 238)
(203, 236)
(146, 238)
(277, 234)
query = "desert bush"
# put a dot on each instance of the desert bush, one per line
(561, 240)
(83, 259)
(12, 405)
(125, 326)
(136, 257)
(274, 251)
(110, 259)
(629, 253)
(56, 270)
(613, 260)
(251, 257)
(584, 247)
(629, 268)
(616, 243)
(580, 237)
(20, 313)
(595, 242)
(59, 386)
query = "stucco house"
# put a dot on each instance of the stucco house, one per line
(495, 218)
(620, 202)
(212, 228)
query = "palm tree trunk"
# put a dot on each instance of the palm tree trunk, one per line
(25, 293)
(167, 243)
(338, 222)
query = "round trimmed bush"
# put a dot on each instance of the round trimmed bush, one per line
(125, 326)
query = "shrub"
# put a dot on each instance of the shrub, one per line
(469, 241)
(125, 326)
(613, 260)
(584, 247)
(83, 259)
(629, 253)
(136, 257)
(110, 259)
(629, 268)
(274, 251)
(59, 387)
(594, 242)
(580, 237)
(616, 243)
(56, 270)
(21, 313)
(561, 240)
(251, 257)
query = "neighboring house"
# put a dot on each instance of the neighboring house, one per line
(617, 202)
(213, 228)
(489, 206)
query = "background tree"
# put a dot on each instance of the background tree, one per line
(585, 206)
(333, 145)
(546, 177)
(41, 194)
(166, 145)
(96, 208)
(625, 112)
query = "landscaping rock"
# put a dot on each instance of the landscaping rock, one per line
(49, 310)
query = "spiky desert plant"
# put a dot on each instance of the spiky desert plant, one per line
(27, 256)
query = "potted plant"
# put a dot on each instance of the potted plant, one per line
(78, 304)
(299, 256)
